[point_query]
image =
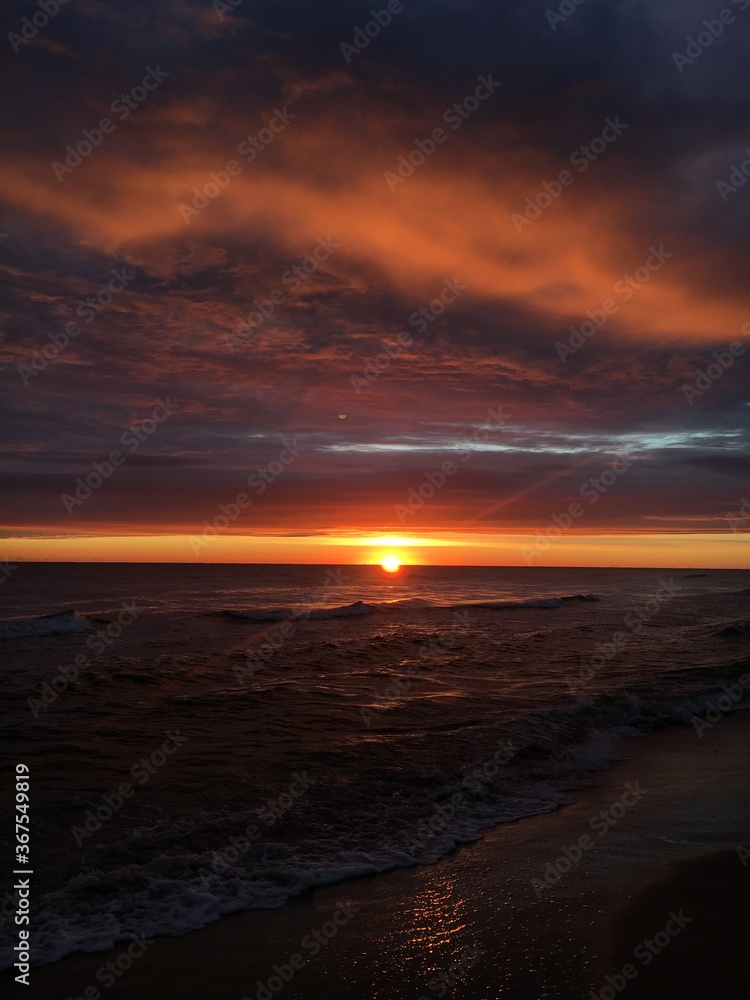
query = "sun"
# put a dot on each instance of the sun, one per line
(390, 564)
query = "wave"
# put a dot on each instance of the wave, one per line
(540, 602)
(61, 623)
(360, 608)
(71, 622)
(355, 610)
(540, 757)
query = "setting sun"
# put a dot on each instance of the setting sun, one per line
(390, 564)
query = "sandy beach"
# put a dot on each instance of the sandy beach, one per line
(518, 914)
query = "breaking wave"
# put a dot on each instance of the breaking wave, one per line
(62, 623)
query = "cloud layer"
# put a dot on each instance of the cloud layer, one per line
(366, 253)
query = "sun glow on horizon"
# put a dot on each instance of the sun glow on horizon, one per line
(693, 550)
(390, 563)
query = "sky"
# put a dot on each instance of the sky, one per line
(313, 281)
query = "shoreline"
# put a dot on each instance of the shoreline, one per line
(474, 924)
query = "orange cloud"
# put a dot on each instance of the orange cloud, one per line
(449, 219)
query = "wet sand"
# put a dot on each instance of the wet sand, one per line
(702, 948)
(474, 926)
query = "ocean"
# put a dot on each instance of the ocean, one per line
(208, 739)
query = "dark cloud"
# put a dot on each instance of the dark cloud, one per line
(172, 331)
